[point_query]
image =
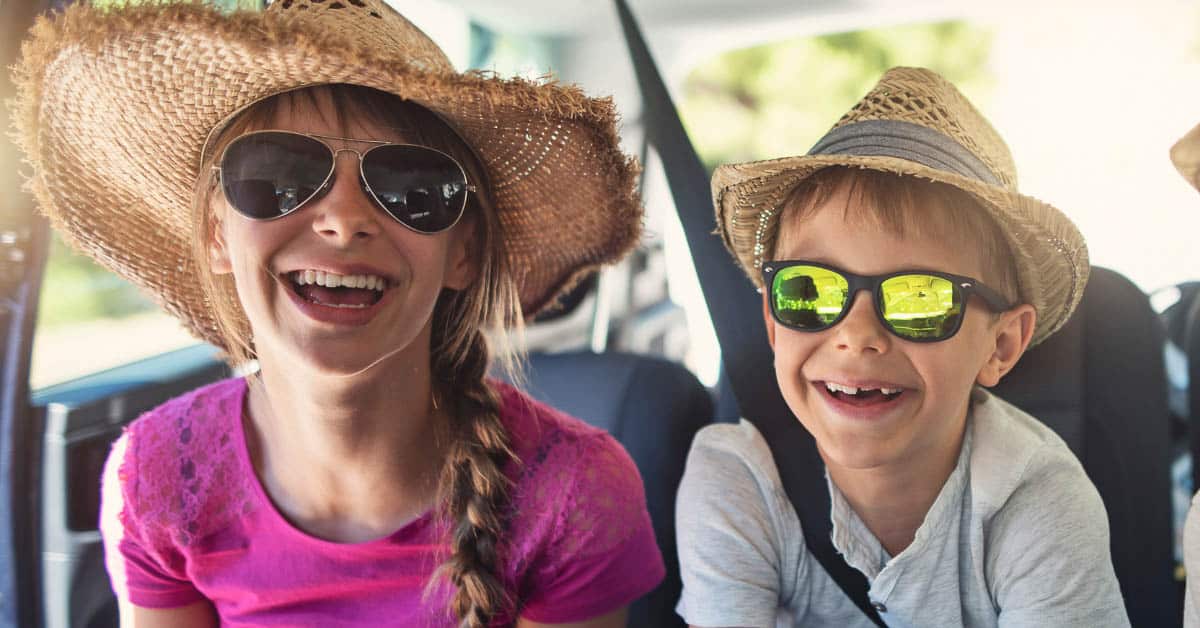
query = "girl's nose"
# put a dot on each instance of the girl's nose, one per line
(345, 214)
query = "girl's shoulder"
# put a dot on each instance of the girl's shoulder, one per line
(195, 424)
(532, 424)
(180, 464)
(580, 542)
(552, 446)
(571, 480)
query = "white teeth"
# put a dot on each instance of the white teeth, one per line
(851, 390)
(331, 280)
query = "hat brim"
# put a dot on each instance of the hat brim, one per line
(113, 109)
(1051, 273)
(1185, 154)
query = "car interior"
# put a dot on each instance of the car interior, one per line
(1114, 383)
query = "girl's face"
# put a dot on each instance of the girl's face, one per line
(345, 234)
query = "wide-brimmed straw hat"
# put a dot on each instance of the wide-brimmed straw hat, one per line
(915, 123)
(1185, 154)
(114, 107)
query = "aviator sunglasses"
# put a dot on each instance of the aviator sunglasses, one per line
(270, 174)
(917, 305)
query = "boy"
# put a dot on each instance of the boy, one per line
(900, 268)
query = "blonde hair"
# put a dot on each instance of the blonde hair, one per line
(904, 205)
(473, 491)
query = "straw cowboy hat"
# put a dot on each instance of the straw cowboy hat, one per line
(114, 108)
(1185, 154)
(915, 123)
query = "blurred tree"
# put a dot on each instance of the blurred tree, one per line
(77, 289)
(778, 99)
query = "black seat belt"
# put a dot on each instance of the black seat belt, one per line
(736, 311)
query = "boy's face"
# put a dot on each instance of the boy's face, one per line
(925, 421)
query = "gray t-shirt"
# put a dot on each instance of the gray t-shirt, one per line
(1017, 536)
(1191, 563)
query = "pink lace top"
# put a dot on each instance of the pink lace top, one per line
(184, 518)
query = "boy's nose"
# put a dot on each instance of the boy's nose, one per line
(345, 214)
(860, 331)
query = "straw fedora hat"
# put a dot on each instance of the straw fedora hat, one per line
(1185, 154)
(115, 106)
(915, 123)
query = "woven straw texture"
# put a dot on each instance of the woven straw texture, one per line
(1051, 256)
(114, 107)
(1185, 154)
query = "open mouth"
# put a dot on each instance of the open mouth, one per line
(861, 396)
(338, 291)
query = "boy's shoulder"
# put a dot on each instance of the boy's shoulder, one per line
(1013, 452)
(736, 444)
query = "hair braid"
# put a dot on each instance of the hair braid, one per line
(474, 490)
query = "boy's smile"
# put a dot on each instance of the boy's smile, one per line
(873, 400)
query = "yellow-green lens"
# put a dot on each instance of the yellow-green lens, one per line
(808, 297)
(921, 307)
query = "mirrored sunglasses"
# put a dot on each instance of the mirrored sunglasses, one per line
(270, 174)
(916, 305)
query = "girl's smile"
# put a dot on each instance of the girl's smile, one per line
(338, 298)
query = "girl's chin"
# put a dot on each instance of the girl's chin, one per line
(330, 358)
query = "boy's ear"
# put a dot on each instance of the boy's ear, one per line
(218, 250)
(1013, 332)
(768, 320)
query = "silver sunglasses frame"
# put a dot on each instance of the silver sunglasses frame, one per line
(362, 178)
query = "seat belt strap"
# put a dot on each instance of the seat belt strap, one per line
(734, 307)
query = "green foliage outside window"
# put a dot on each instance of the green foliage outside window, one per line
(77, 289)
(778, 99)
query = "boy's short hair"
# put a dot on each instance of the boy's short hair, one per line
(903, 205)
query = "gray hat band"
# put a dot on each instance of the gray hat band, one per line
(904, 140)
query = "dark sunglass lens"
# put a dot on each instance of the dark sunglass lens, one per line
(266, 175)
(421, 187)
(808, 297)
(921, 307)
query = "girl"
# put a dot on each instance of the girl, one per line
(360, 215)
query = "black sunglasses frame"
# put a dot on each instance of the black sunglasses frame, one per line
(964, 286)
(327, 183)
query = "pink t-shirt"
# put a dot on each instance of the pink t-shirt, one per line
(185, 518)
